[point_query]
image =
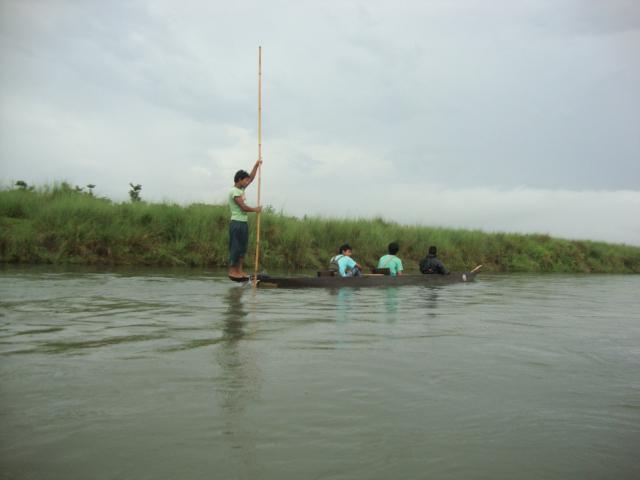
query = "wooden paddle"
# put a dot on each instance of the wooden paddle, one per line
(476, 269)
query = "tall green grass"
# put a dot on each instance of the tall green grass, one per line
(59, 225)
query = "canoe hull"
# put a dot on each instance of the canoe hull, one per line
(366, 281)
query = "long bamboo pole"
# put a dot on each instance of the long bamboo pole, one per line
(257, 259)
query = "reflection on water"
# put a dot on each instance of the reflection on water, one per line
(391, 302)
(239, 381)
(343, 297)
(187, 376)
(234, 315)
(431, 301)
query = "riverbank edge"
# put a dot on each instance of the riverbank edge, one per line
(61, 226)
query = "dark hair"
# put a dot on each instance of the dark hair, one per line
(393, 248)
(344, 248)
(240, 175)
(433, 250)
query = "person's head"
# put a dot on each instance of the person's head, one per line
(433, 250)
(241, 178)
(393, 248)
(345, 250)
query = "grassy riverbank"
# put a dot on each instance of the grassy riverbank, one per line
(59, 225)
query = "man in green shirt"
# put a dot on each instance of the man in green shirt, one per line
(390, 261)
(238, 227)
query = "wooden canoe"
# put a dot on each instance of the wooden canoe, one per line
(365, 281)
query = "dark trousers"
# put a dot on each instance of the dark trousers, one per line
(238, 241)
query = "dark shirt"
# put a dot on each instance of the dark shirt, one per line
(432, 265)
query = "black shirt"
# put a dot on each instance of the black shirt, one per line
(432, 265)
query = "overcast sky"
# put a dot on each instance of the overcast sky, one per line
(500, 115)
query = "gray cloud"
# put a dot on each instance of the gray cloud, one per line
(461, 95)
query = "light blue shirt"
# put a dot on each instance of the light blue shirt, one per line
(344, 263)
(393, 263)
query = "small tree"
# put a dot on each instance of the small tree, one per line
(134, 193)
(22, 185)
(90, 188)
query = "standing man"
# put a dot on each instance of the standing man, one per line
(239, 228)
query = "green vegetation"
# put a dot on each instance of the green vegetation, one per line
(66, 225)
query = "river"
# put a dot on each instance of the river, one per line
(160, 374)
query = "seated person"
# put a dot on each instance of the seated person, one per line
(431, 264)
(390, 261)
(344, 264)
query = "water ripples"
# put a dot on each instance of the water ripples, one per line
(408, 382)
